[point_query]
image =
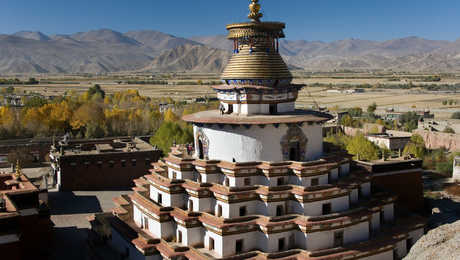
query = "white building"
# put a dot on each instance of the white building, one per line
(258, 182)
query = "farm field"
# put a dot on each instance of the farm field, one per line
(398, 99)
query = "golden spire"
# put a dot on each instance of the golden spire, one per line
(18, 172)
(254, 9)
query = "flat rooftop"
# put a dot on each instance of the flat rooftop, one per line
(297, 116)
(104, 146)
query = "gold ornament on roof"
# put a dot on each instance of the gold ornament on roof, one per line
(18, 172)
(255, 14)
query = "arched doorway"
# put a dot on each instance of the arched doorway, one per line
(294, 144)
(200, 150)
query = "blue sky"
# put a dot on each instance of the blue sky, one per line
(325, 20)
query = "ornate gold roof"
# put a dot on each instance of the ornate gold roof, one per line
(258, 65)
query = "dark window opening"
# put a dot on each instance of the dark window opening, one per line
(273, 109)
(280, 181)
(147, 162)
(211, 243)
(327, 209)
(123, 163)
(133, 163)
(179, 236)
(314, 182)
(279, 210)
(190, 205)
(160, 198)
(382, 217)
(200, 150)
(338, 238)
(199, 178)
(281, 244)
(230, 109)
(146, 223)
(219, 211)
(294, 151)
(227, 181)
(111, 164)
(243, 211)
(239, 246)
(247, 181)
(409, 244)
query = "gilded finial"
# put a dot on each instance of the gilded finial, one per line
(18, 172)
(254, 9)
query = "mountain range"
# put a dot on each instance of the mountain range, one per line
(103, 51)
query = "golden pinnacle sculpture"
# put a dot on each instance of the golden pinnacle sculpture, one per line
(18, 172)
(255, 14)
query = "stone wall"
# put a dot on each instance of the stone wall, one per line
(436, 140)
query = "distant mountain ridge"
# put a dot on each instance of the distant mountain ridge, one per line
(105, 50)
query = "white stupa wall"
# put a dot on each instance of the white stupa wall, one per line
(456, 169)
(255, 143)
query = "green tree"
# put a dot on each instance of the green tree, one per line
(415, 147)
(371, 108)
(449, 130)
(355, 112)
(456, 115)
(96, 90)
(409, 121)
(362, 149)
(169, 133)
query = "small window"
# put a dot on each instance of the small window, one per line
(133, 162)
(123, 163)
(174, 175)
(199, 178)
(219, 211)
(327, 209)
(280, 181)
(73, 164)
(111, 164)
(338, 238)
(227, 181)
(243, 211)
(211, 243)
(281, 244)
(279, 210)
(314, 182)
(190, 205)
(147, 162)
(87, 164)
(160, 198)
(99, 164)
(239, 246)
(409, 244)
(179, 236)
(247, 181)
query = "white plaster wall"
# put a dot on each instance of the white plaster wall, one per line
(250, 242)
(272, 241)
(366, 189)
(456, 169)
(325, 239)
(344, 169)
(354, 195)
(382, 256)
(316, 208)
(286, 107)
(137, 215)
(356, 233)
(375, 221)
(168, 200)
(334, 174)
(257, 144)
(190, 236)
(202, 204)
(388, 212)
(119, 244)
(322, 180)
(401, 249)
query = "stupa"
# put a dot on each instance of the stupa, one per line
(258, 184)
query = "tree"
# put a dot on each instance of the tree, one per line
(169, 133)
(415, 147)
(456, 115)
(409, 121)
(449, 130)
(371, 108)
(170, 116)
(96, 90)
(355, 112)
(362, 149)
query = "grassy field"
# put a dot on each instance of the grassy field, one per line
(399, 99)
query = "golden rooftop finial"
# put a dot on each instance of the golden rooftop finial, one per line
(18, 172)
(254, 7)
